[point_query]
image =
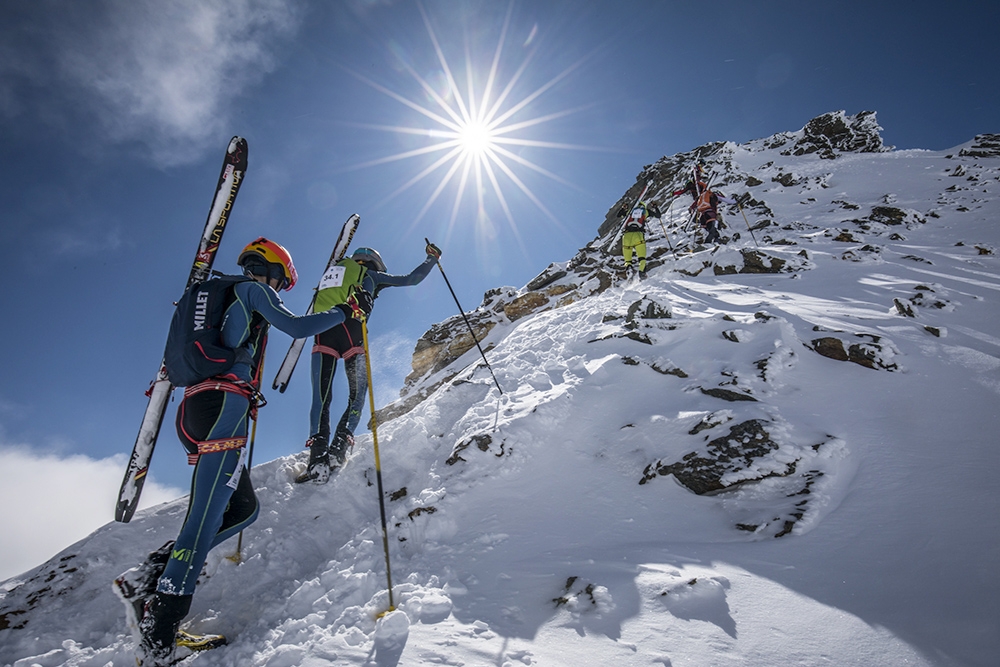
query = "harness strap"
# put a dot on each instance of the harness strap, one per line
(232, 385)
(329, 351)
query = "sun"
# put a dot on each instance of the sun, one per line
(472, 131)
(476, 139)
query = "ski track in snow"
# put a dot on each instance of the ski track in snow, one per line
(520, 534)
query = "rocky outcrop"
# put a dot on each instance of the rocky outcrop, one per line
(663, 176)
(737, 451)
(984, 145)
(871, 351)
(836, 131)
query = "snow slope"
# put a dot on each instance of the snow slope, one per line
(546, 526)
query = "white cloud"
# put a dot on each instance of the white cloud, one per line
(164, 74)
(49, 502)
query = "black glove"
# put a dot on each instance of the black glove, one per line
(433, 251)
(361, 301)
(359, 305)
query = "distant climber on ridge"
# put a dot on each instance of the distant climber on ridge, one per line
(634, 234)
(707, 207)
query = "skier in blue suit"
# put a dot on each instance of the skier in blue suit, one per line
(212, 424)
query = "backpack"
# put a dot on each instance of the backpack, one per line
(708, 200)
(338, 283)
(637, 218)
(194, 349)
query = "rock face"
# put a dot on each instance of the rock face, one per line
(836, 131)
(598, 265)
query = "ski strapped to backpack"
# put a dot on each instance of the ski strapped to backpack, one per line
(284, 375)
(621, 228)
(195, 351)
(234, 168)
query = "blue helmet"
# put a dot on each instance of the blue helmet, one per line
(370, 256)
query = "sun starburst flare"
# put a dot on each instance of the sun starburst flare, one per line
(472, 132)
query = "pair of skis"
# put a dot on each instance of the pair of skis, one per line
(234, 168)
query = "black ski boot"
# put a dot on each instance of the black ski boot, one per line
(319, 461)
(134, 587)
(343, 441)
(158, 629)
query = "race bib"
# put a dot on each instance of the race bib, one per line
(334, 277)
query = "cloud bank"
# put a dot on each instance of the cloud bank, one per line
(49, 502)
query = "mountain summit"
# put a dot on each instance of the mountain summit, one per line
(775, 450)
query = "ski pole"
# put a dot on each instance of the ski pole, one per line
(467, 323)
(238, 556)
(378, 465)
(665, 235)
(748, 224)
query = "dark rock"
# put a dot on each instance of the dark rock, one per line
(986, 145)
(830, 347)
(727, 394)
(703, 474)
(837, 131)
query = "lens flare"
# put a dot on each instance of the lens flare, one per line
(473, 131)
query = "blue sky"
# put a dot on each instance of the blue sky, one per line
(115, 116)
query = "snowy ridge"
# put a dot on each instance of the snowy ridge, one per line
(763, 455)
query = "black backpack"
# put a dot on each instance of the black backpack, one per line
(194, 349)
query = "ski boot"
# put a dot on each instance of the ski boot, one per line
(319, 462)
(343, 442)
(135, 586)
(158, 628)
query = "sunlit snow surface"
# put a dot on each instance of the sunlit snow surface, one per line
(519, 532)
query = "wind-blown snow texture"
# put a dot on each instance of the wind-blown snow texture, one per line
(847, 513)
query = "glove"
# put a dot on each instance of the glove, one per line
(362, 302)
(433, 251)
(359, 305)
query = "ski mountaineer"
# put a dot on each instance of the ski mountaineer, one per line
(634, 236)
(695, 185)
(707, 206)
(366, 270)
(212, 426)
